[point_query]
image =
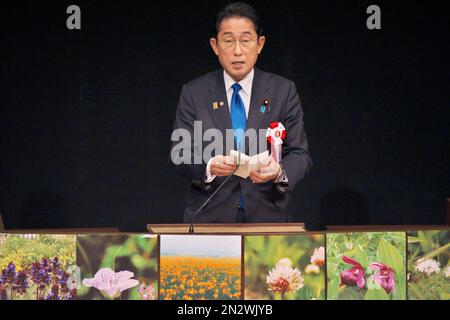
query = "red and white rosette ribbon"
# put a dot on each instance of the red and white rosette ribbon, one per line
(275, 135)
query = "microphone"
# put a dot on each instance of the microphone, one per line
(197, 213)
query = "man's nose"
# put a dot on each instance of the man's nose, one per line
(237, 49)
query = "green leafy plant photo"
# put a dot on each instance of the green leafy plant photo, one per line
(117, 267)
(428, 265)
(285, 267)
(366, 266)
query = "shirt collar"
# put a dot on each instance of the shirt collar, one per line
(245, 83)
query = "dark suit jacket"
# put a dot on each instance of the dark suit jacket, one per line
(265, 202)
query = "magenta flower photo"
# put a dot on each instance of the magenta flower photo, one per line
(366, 266)
(384, 276)
(355, 276)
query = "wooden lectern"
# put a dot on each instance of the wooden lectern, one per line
(232, 228)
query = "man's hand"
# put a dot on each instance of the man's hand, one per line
(266, 173)
(222, 166)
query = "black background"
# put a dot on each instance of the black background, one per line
(86, 115)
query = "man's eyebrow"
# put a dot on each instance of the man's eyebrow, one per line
(232, 33)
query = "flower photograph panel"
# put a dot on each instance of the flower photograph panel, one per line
(366, 266)
(117, 267)
(428, 265)
(195, 267)
(37, 267)
(287, 267)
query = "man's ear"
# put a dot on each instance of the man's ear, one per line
(213, 43)
(261, 42)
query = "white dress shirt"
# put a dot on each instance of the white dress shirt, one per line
(245, 94)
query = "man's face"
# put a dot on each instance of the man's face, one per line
(237, 46)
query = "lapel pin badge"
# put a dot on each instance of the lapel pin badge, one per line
(265, 106)
(215, 106)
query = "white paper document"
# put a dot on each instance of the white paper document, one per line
(247, 164)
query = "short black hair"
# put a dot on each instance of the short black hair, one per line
(238, 9)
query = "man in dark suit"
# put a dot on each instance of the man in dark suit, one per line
(239, 96)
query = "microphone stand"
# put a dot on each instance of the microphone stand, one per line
(196, 214)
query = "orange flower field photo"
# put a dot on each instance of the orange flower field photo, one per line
(196, 278)
(197, 269)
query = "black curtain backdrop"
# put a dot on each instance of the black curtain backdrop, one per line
(86, 116)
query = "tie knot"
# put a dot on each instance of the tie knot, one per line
(236, 87)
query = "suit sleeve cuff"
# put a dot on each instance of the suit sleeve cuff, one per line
(282, 182)
(209, 176)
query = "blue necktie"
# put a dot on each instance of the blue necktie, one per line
(239, 122)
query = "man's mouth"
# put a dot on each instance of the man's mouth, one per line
(237, 63)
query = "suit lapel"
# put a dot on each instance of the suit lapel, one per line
(259, 94)
(221, 114)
